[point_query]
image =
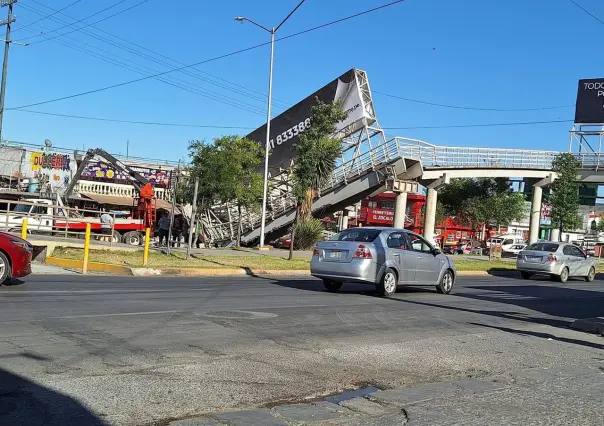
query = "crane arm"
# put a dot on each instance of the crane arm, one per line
(137, 179)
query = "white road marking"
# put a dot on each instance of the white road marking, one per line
(122, 314)
(114, 291)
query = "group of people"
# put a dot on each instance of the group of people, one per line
(180, 229)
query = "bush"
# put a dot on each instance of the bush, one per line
(308, 233)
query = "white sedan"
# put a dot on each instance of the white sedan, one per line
(514, 250)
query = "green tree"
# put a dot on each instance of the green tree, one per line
(227, 173)
(565, 193)
(316, 155)
(483, 201)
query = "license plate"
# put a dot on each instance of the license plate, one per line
(335, 255)
(533, 259)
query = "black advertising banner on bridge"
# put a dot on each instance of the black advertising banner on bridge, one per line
(286, 127)
(590, 102)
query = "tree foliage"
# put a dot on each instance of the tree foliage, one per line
(317, 152)
(227, 171)
(485, 201)
(565, 193)
(316, 155)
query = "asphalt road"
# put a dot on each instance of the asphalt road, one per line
(132, 351)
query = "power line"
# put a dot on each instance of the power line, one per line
(121, 46)
(150, 123)
(456, 126)
(180, 83)
(114, 59)
(87, 25)
(236, 52)
(470, 108)
(587, 11)
(47, 16)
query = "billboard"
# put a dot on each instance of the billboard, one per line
(102, 171)
(590, 102)
(287, 126)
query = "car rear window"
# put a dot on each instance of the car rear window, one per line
(358, 235)
(543, 247)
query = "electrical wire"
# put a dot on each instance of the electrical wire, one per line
(112, 59)
(46, 17)
(121, 46)
(471, 108)
(84, 26)
(587, 11)
(149, 123)
(456, 126)
(226, 55)
(175, 82)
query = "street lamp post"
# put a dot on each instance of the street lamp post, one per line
(272, 32)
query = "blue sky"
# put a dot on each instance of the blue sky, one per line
(491, 54)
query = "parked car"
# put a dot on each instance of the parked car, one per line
(15, 257)
(558, 260)
(513, 251)
(383, 257)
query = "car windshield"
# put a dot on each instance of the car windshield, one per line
(357, 235)
(22, 208)
(543, 247)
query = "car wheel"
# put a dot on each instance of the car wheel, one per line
(388, 283)
(526, 275)
(591, 275)
(4, 268)
(563, 277)
(332, 286)
(446, 283)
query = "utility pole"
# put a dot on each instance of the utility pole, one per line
(8, 21)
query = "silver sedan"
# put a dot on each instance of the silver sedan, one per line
(384, 257)
(558, 260)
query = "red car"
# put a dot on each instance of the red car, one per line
(15, 257)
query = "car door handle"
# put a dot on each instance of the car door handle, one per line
(396, 255)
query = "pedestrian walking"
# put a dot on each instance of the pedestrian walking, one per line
(106, 226)
(163, 226)
(178, 227)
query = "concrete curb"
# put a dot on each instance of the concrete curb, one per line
(212, 272)
(108, 268)
(589, 325)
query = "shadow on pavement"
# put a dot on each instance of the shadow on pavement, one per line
(25, 403)
(560, 302)
(542, 335)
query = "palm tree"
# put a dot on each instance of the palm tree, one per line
(316, 155)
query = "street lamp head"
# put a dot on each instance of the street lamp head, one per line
(239, 18)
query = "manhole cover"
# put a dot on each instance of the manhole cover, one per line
(237, 315)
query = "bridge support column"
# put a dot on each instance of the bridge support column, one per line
(430, 211)
(535, 220)
(554, 235)
(400, 210)
(344, 220)
(430, 214)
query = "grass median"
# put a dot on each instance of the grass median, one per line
(255, 262)
(134, 259)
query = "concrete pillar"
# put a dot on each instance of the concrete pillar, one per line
(554, 235)
(344, 220)
(535, 214)
(430, 215)
(400, 210)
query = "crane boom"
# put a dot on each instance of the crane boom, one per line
(138, 180)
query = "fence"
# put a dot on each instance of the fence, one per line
(43, 218)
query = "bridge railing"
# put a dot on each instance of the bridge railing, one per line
(471, 157)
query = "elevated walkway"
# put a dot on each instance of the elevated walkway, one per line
(401, 158)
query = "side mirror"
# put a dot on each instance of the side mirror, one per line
(436, 251)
